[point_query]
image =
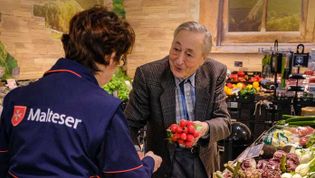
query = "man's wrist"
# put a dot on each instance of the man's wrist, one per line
(207, 134)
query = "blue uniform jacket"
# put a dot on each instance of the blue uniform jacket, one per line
(65, 125)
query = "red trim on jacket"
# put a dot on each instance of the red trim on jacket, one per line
(121, 171)
(4, 150)
(11, 174)
(63, 70)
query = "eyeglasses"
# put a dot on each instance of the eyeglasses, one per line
(122, 61)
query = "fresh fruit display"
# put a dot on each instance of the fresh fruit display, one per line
(241, 88)
(241, 76)
(255, 78)
(184, 133)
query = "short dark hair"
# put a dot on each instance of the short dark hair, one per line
(97, 32)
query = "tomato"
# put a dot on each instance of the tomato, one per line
(241, 73)
(230, 85)
(233, 77)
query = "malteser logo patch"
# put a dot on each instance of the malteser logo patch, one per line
(48, 116)
(18, 115)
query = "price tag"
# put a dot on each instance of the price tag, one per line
(255, 151)
(251, 152)
(234, 104)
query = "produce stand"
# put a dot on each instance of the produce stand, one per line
(285, 151)
(259, 112)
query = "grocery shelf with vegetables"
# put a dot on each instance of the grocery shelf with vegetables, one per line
(245, 83)
(286, 150)
(256, 102)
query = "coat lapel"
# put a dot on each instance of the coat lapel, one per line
(167, 99)
(168, 105)
(202, 96)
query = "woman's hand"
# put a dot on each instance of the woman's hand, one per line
(157, 160)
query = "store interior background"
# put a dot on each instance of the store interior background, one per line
(36, 47)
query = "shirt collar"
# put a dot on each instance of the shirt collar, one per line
(190, 79)
(72, 65)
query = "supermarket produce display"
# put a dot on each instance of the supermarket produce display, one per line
(283, 151)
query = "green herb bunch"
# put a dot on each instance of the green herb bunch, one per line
(119, 84)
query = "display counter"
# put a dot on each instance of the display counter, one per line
(281, 151)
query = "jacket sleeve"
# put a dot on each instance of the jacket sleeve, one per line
(137, 110)
(4, 139)
(119, 157)
(219, 124)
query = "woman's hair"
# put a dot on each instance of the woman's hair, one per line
(97, 32)
(199, 28)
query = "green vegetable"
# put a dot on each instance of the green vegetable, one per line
(286, 116)
(311, 141)
(283, 163)
(290, 119)
(304, 169)
(118, 84)
(118, 8)
(303, 123)
(218, 174)
(7, 62)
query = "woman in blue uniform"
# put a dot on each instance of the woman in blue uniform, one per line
(65, 124)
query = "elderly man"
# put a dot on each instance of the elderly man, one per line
(183, 85)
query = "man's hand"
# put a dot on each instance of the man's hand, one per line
(157, 160)
(203, 130)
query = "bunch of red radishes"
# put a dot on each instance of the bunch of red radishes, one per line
(184, 133)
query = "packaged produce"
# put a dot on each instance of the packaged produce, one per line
(290, 135)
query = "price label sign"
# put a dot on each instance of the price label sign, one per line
(300, 59)
(251, 152)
